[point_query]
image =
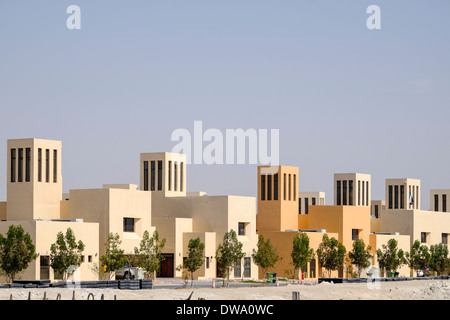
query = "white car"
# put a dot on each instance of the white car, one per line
(130, 273)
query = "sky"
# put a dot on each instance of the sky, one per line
(345, 98)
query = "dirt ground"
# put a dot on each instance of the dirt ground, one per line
(393, 290)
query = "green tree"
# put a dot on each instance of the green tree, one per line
(66, 252)
(390, 258)
(439, 258)
(16, 251)
(150, 253)
(331, 254)
(301, 253)
(195, 256)
(266, 256)
(229, 252)
(360, 255)
(418, 258)
(114, 258)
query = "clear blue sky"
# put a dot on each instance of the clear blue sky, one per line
(345, 98)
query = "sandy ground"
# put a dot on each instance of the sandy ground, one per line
(397, 290)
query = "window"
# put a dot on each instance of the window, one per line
(402, 197)
(275, 186)
(355, 233)
(444, 203)
(390, 197)
(344, 193)
(436, 202)
(237, 269)
(55, 166)
(128, 225)
(362, 195)
(306, 205)
(45, 267)
(27, 164)
(247, 267)
(146, 175)
(170, 175)
(152, 175)
(39, 165)
(445, 238)
(395, 197)
(207, 262)
(241, 228)
(284, 187)
(423, 237)
(359, 192)
(175, 173)
(82, 258)
(313, 201)
(89, 258)
(13, 165)
(47, 165)
(294, 196)
(367, 193)
(338, 188)
(160, 175)
(20, 174)
(181, 176)
(290, 187)
(376, 211)
(269, 187)
(350, 192)
(299, 205)
(263, 187)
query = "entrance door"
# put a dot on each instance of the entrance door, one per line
(166, 268)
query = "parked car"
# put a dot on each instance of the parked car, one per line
(128, 272)
(423, 273)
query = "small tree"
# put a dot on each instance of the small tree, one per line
(439, 258)
(114, 258)
(16, 251)
(390, 258)
(150, 253)
(229, 252)
(360, 255)
(65, 252)
(301, 252)
(266, 256)
(418, 258)
(195, 256)
(331, 254)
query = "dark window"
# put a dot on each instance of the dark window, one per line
(306, 205)
(423, 237)
(269, 187)
(275, 186)
(367, 193)
(160, 175)
(55, 166)
(350, 192)
(436, 202)
(395, 197)
(299, 205)
(359, 192)
(39, 165)
(444, 203)
(241, 228)
(47, 165)
(344, 187)
(284, 186)
(237, 269)
(28, 165)
(294, 196)
(128, 224)
(170, 175)
(290, 184)
(146, 175)
(263, 187)
(402, 197)
(181, 176)
(13, 165)
(247, 267)
(207, 262)
(312, 268)
(445, 238)
(355, 233)
(89, 258)
(390, 196)
(20, 165)
(152, 175)
(376, 211)
(45, 267)
(362, 195)
(338, 197)
(313, 201)
(175, 177)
